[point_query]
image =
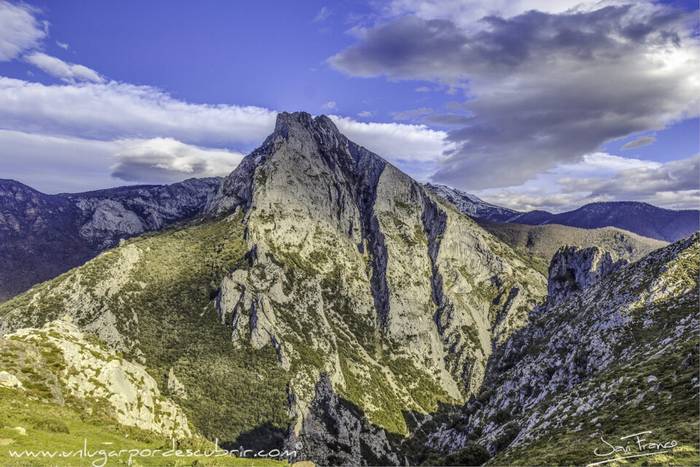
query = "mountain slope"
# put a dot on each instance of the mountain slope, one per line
(472, 205)
(326, 293)
(610, 359)
(42, 235)
(539, 243)
(640, 218)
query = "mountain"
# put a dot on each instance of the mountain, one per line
(539, 243)
(325, 303)
(326, 300)
(472, 205)
(42, 236)
(640, 218)
(613, 352)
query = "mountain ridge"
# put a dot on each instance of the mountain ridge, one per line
(637, 217)
(44, 235)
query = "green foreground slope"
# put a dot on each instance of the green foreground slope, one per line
(152, 300)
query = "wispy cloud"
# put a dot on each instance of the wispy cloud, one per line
(395, 141)
(169, 160)
(323, 14)
(639, 142)
(606, 177)
(412, 114)
(20, 30)
(169, 132)
(118, 110)
(64, 71)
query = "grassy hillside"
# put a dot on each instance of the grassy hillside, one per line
(28, 424)
(152, 300)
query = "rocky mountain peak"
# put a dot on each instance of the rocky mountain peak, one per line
(573, 269)
(302, 127)
(314, 142)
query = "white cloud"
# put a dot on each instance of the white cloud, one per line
(19, 30)
(144, 128)
(64, 71)
(605, 177)
(62, 45)
(54, 164)
(118, 110)
(467, 13)
(323, 14)
(395, 141)
(364, 114)
(169, 160)
(330, 105)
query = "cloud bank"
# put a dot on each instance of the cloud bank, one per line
(605, 177)
(177, 139)
(543, 88)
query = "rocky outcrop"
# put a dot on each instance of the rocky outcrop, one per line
(42, 236)
(95, 375)
(574, 269)
(335, 432)
(472, 205)
(588, 363)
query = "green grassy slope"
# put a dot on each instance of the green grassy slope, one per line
(163, 307)
(28, 424)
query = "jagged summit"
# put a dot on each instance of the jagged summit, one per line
(321, 146)
(294, 123)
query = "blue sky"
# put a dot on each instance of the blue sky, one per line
(525, 108)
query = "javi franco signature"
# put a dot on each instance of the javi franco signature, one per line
(635, 445)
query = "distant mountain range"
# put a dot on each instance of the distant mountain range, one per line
(641, 218)
(42, 236)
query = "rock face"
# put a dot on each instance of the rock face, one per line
(590, 363)
(42, 236)
(335, 432)
(355, 266)
(574, 269)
